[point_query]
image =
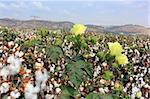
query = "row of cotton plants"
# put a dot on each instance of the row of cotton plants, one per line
(43, 64)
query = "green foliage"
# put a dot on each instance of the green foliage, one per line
(92, 95)
(58, 41)
(43, 32)
(106, 96)
(68, 92)
(79, 72)
(84, 44)
(101, 55)
(7, 35)
(94, 39)
(54, 53)
(32, 42)
(115, 65)
(108, 75)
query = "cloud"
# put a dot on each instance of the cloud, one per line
(38, 4)
(3, 6)
(41, 5)
(11, 5)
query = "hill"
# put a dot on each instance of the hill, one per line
(34, 24)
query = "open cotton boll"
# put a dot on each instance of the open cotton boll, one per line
(12, 68)
(4, 88)
(4, 72)
(15, 94)
(19, 54)
(41, 78)
(11, 43)
(31, 91)
(15, 64)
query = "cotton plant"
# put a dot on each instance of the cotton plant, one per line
(77, 36)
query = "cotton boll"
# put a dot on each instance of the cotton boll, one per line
(4, 72)
(11, 59)
(1, 65)
(39, 65)
(9, 97)
(101, 90)
(4, 88)
(50, 87)
(14, 66)
(56, 84)
(41, 78)
(11, 43)
(19, 54)
(52, 68)
(31, 91)
(58, 90)
(106, 89)
(15, 94)
(49, 96)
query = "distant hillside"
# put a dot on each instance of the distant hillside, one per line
(34, 24)
(128, 29)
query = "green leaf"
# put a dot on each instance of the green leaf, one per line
(115, 65)
(94, 39)
(43, 32)
(79, 71)
(106, 96)
(32, 42)
(101, 55)
(108, 75)
(54, 53)
(84, 44)
(67, 92)
(92, 95)
(58, 41)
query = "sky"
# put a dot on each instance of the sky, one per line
(99, 12)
